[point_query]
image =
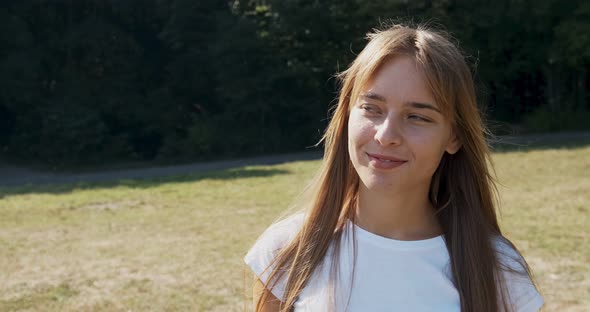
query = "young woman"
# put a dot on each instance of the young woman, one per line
(402, 215)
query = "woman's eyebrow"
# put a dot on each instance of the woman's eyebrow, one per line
(418, 105)
(423, 106)
(373, 96)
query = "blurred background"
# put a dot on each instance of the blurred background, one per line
(112, 110)
(84, 82)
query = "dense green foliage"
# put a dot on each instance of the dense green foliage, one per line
(88, 81)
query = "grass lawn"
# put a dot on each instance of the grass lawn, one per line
(177, 244)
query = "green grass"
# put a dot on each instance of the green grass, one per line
(176, 244)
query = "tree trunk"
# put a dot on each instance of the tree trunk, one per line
(551, 94)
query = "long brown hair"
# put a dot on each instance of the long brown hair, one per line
(462, 190)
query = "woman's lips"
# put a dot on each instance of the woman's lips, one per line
(384, 162)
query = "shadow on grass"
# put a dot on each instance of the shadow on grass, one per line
(239, 169)
(142, 183)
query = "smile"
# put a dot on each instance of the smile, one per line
(384, 162)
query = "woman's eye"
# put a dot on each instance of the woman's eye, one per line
(370, 108)
(419, 118)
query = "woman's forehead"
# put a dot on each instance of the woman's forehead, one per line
(398, 78)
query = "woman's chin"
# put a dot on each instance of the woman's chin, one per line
(376, 183)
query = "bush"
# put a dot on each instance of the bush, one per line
(544, 120)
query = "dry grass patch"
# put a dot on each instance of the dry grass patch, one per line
(176, 244)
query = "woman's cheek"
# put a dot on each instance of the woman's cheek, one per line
(361, 132)
(422, 134)
(353, 126)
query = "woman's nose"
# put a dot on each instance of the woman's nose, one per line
(389, 132)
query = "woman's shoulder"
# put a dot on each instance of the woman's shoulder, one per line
(260, 257)
(508, 255)
(518, 282)
(280, 233)
(291, 222)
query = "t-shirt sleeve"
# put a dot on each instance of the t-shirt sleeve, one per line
(267, 247)
(523, 296)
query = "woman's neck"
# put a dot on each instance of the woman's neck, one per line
(401, 215)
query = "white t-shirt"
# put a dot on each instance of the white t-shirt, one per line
(390, 275)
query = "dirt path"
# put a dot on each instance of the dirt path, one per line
(16, 176)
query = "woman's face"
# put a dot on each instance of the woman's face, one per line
(396, 132)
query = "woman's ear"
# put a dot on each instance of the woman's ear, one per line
(454, 144)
